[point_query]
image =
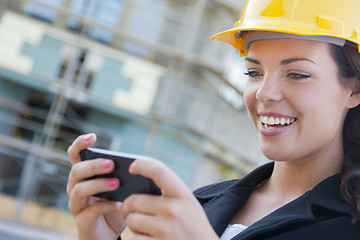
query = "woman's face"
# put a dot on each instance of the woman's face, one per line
(295, 99)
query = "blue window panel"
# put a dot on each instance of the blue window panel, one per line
(46, 56)
(42, 12)
(185, 162)
(14, 92)
(147, 24)
(79, 7)
(105, 12)
(180, 157)
(134, 138)
(148, 19)
(109, 78)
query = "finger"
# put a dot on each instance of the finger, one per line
(80, 194)
(144, 226)
(86, 169)
(145, 204)
(91, 216)
(170, 184)
(80, 143)
(99, 208)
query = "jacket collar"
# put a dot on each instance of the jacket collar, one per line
(327, 195)
(222, 205)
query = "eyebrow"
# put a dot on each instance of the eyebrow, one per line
(283, 62)
(252, 60)
(290, 60)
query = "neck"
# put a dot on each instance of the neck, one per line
(291, 179)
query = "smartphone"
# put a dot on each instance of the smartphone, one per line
(129, 184)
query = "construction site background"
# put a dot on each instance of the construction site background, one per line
(141, 74)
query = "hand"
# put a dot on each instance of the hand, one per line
(95, 218)
(175, 215)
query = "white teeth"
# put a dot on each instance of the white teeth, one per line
(282, 121)
(276, 121)
(271, 121)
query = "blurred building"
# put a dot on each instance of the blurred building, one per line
(141, 74)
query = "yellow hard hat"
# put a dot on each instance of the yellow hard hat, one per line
(332, 18)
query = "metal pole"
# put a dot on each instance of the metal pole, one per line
(195, 22)
(26, 179)
(29, 181)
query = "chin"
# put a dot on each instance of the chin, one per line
(274, 155)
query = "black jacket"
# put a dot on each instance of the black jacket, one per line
(318, 214)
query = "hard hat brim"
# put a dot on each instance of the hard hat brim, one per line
(230, 36)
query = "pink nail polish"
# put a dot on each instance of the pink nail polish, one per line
(111, 182)
(106, 164)
(130, 166)
(88, 137)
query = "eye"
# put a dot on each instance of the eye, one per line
(253, 73)
(298, 76)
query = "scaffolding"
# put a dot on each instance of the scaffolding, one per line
(192, 94)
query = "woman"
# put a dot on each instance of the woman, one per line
(303, 95)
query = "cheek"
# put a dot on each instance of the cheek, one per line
(314, 115)
(305, 99)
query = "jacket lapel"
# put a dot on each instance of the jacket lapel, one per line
(298, 210)
(222, 207)
(222, 201)
(325, 195)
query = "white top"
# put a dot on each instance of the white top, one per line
(232, 230)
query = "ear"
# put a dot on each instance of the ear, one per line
(354, 100)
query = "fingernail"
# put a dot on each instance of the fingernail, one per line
(106, 164)
(118, 205)
(111, 182)
(130, 166)
(88, 137)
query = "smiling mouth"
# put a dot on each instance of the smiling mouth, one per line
(276, 122)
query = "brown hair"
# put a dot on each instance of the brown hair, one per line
(348, 61)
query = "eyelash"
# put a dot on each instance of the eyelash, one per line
(252, 74)
(295, 76)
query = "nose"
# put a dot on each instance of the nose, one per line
(269, 90)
